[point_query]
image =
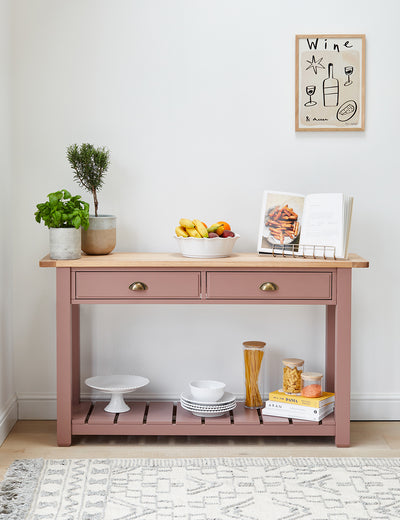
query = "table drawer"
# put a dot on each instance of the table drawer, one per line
(287, 285)
(116, 285)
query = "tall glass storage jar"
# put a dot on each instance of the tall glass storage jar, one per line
(253, 352)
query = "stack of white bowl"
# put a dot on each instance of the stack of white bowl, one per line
(208, 399)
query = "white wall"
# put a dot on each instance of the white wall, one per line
(8, 402)
(195, 100)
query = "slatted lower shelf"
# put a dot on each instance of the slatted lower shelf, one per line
(169, 418)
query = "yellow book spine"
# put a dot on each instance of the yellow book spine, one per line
(314, 402)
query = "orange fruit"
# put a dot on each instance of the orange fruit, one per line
(224, 225)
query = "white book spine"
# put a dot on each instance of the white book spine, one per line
(293, 414)
(289, 415)
(276, 405)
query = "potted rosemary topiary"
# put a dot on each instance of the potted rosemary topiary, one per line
(64, 215)
(90, 165)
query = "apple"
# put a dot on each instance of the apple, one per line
(212, 235)
(227, 233)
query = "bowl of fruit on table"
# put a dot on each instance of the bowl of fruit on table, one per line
(196, 240)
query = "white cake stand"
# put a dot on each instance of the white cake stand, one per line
(117, 386)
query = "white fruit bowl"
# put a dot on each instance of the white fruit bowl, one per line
(206, 247)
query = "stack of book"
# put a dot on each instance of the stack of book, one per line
(299, 407)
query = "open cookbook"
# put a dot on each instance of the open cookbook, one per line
(315, 225)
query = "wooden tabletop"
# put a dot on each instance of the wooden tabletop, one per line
(250, 260)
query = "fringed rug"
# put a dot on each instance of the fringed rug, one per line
(202, 489)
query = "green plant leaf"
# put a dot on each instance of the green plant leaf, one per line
(63, 210)
(77, 222)
(89, 165)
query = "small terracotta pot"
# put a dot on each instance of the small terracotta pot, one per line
(101, 236)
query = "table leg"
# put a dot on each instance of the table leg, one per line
(76, 362)
(64, 356)
(330, 348)
(343, 357)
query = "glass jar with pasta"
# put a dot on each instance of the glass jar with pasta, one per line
(292, 370)
(253, 352)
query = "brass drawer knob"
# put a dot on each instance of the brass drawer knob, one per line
(138, 286)
(268, 286)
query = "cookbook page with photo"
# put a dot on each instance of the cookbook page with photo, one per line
(280, 222)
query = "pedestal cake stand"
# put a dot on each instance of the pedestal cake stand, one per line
(117, 386)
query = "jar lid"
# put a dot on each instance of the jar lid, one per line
(254, 344)
(293, 362)
(311, 375)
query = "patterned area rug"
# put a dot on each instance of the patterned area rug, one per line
(202, 489)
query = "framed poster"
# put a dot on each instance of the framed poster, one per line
(330, 82)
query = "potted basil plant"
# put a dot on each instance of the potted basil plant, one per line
(64, 215)
(90, 165)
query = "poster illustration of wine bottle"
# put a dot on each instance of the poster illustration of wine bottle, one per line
(330, 82)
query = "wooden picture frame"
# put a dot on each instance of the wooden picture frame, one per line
(330, 82)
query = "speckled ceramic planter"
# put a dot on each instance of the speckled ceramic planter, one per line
(65, 243)
(100, 237)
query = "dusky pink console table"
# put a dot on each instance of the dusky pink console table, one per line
(170, 278)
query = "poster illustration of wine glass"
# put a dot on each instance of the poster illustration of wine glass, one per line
(330, 82)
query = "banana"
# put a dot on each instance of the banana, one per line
(193, 232)
(186, 223)
(201, 228)
(214, 227)
(181, 232)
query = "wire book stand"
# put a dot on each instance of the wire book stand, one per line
(303, 251)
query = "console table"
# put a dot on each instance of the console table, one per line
(131, 278)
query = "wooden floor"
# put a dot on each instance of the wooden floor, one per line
(37, 439)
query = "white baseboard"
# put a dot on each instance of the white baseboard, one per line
(8, 417)
(375, 407)
(40, 407)
(364, 407)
